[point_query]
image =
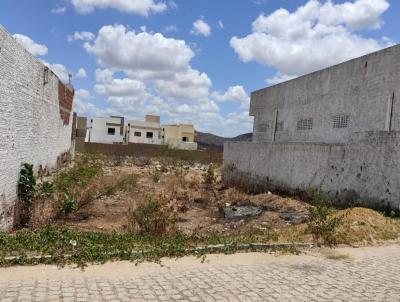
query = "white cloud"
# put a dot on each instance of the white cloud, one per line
(83, 94)
(157, 79)
(81, 36)
(141, 53)
(137, 7)
(121, 87)
(279, 78)
(233, 94)
(88, 109)
(30, 45)
(356, 15)
(200, 27)
(164, 62)
(171, 28)
(191, 84)
(237, 123)
(313, 37)
(103, 75)
(81, 73)
(60, 10)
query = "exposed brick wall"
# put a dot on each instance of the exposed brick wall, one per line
(65, 98)
(31, 128)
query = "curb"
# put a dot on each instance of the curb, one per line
(207, 249)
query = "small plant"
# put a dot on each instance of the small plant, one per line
(68, 205)
(209, 175)
(323, 221)
(124, 183)
(44, 190)
(75, 180)
(26, 184)
(149, 217)
(156, 176)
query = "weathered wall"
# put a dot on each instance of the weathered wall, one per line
(366, 170)
(361, 88)
(35, 119)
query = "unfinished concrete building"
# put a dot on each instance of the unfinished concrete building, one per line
(334, 130)
(106, 130)
(144, 132)
(35, 120)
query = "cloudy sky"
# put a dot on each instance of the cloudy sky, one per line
(193, 60)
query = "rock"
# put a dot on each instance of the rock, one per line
(232, 212)
(294, 218)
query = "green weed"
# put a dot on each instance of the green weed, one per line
(324, 221)
(68, 205)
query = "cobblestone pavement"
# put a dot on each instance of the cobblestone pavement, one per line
(365, 274)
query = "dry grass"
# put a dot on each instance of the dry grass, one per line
(360, 225)
(109, 201)
(367, 226)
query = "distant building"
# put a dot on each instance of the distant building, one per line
(179, 136)
(106, 130)
(112, 130)
(145, 132)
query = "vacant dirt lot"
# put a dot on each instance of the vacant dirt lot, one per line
(198, 206)
(198, 203)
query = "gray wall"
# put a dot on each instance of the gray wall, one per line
(359, 88)
(366, 171)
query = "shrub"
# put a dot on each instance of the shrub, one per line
(124, 183)
(26, 184)
(149, 217)
(323, 221)
(75, 180)
(44, 190)
(26, 192)
(156, 176)
(68, 205)
(209, 175)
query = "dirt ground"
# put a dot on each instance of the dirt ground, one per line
(199, 208)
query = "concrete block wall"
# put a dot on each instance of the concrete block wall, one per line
(35, 125)
(366, 171)
(361, 89)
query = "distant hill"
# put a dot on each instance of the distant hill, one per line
(211, 141)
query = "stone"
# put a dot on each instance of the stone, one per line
(241, 211)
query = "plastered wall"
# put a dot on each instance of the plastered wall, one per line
(365, 171)
(361, 89)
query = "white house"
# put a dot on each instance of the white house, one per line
(145, 132)
(106, 130)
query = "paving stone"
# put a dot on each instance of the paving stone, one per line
(374, 277)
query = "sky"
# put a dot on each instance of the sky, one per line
(193, 61)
